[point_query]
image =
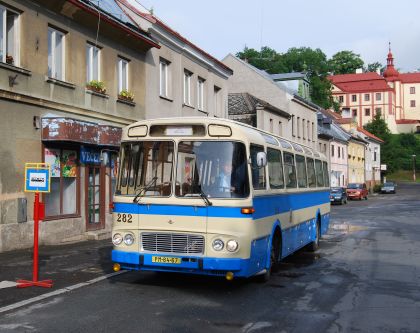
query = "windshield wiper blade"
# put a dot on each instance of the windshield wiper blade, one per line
(144, 189)
(205, 198)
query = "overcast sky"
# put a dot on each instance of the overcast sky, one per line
(363, 26)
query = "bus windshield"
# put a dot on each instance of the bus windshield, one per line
(217, 169)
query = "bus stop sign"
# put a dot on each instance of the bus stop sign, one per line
(37, 177)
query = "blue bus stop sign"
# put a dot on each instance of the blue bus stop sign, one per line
(37, 177)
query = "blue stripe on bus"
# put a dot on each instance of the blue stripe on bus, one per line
(264, 206)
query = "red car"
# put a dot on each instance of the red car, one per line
(357, 191)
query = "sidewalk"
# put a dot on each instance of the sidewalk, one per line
(66, 265)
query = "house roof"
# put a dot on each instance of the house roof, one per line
(241, 103)
(112, 14)
(410, 77)
(153, 19)
(360, 82)
(289, 76)
(370, 135)
(333, 131)
(407, 121)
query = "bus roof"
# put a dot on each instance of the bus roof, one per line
(217, 126)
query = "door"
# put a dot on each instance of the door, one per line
(95, 198)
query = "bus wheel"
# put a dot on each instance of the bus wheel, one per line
(312, 247)
(274, 258)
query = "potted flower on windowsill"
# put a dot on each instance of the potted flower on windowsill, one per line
(96, 86)
(9, 59)
(126, 95)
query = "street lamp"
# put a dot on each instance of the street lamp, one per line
(414, 167)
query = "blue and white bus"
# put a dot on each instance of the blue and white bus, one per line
(216, 197)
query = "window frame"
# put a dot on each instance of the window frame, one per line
(367, 112)
(16, 33)
(257, 148)
(286, 178)
(378, 96)
(367, 97)
(412, 90)
(298, 176)
(412, 103)
(89, 62)
(270, 153)
(200, 93)
(120, 63)
(187, 97)
(78, 182)
(354, 98)
(52, 67)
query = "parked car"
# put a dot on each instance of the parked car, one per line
(388, 187)
(339, 195)
(357, 191)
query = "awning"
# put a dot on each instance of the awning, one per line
(73, 130)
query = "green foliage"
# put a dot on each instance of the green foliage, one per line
(378, 127)
(345, 62)
(373, 67)
(97, 86)
(377, 188)
(302, 59)
(126, 94)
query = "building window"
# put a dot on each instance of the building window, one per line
(378, 111)
(374, 156)
(200, 93)
(338, 151)
(308, 129)
(313, 132)
(298, 127)
(378, 96)
(367, 97)
(275, 168)
(354, 112)
(293, 126)
(164, 78)
(55, 54)
(9, 39)
(332, 150)
(354, 98)
(63, 199)
(413, 103)
(280, 128)
(340, 99)
(367, 112)
(412, 90)
(218, 102)
(122, 74)
(92, 63)
(271, 126)
(187, 87)
(303, 129)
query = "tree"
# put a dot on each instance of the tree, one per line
(345, 62)
(373, 67)
(378, 127)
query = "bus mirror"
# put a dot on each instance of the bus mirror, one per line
(261, 159)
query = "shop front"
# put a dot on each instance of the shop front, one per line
(81, 187)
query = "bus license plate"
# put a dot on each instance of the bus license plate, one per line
(166, 260)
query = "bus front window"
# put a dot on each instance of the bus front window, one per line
(216, 169)
(146, 164)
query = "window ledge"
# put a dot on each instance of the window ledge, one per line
(202, 111)
(15, 69)
(166, 98)
(95, 93)
(60, 83)
(125, 101)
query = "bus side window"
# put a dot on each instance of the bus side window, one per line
(301, 171)
(289, 170)
(311, 172)
(319, 174)
(275, 168)
(326, 173)
(258, 174)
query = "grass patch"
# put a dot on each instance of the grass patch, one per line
(403, 176)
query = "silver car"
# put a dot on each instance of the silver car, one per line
(388, 187)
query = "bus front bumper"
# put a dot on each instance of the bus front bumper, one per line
(182, 264)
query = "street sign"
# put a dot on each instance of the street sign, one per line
(37, 177)
(383, 167)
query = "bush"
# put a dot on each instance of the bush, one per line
(377, 188)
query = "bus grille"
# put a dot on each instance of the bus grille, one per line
(172, 243)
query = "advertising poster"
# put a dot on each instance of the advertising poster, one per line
(69, 163)
(52, 157)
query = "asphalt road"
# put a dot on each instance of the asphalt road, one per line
(365, 278)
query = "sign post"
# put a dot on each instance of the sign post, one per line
(37, 179)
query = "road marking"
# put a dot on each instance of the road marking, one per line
(7, 284)
(57, 292)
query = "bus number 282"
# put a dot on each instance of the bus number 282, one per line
(124, 218)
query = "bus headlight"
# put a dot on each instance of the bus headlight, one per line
(128, 239)
(218, 245)
(117, 239)
(232, 245)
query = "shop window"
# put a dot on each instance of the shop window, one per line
(63, 198)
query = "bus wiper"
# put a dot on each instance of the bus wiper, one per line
(205, 198)
(145, 189)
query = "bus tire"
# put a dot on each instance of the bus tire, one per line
(313, 246)
(275, 253)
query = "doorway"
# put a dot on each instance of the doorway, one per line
(95, 197)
